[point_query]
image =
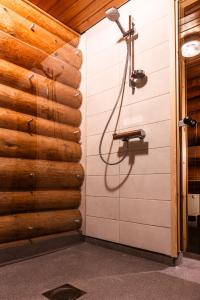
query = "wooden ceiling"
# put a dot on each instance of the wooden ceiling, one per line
(80, 15)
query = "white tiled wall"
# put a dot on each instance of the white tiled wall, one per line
(129, 203)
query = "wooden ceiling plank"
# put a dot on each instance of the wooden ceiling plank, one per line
(191, 24)
(74, 10)
(45, 5)
(59, 6)
(190, 18)
(91, 10)
(80, 15)
(191, 31)
(98, 16)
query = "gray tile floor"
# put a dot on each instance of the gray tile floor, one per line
(102, 273)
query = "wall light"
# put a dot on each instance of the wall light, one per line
(191, 46)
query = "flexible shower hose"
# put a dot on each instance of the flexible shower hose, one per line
(120, 98)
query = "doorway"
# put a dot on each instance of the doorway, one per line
(189, 40)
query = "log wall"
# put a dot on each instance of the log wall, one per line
(40, 152)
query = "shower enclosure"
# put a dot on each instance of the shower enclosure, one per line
(40, 172)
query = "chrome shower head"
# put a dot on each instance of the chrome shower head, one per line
(112, 14)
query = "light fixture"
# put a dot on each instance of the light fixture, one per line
(191, 46)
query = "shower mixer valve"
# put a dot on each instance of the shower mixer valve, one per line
(135, 76)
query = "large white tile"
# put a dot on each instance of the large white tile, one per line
(144, 112)
(104, 59)
(146, 237)
(103, 81)
(105, 229)
(147, 161)
(107, 145)
(101, 36)
(105, 207)
(157, 135)
(147, 12)
(153, 59)
(97, 123)
(95, 166)
(102, 102)
(151, 212)
(158, 84)
(152, 35)
(107, 186)
(154, 186)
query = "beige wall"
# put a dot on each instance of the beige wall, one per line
(129, 203)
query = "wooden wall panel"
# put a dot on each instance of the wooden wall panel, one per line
(190, 24)
(78, 14)
(40, 173)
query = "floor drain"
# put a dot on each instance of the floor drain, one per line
(64, 292)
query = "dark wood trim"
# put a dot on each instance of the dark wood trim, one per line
(161, 258)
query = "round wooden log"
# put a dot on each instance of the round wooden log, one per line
(23, 145)
(34, 83)
(21, 101)
(28, 174)
(21, 122)
(37, 60)
(15, 202)
(28, 225)
(39, 37)
(34, 14)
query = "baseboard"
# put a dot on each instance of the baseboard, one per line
(161, 258)
(22, 250)
(192, 255)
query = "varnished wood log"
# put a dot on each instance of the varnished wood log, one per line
(37, 60)
(37, 36)
(27, 174)
(28, 225)
(23, 145)
(15, 202)
(34, 14)
(21, 122)
(34, 83)
(37, 106)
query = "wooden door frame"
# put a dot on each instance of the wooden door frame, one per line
(178, 137)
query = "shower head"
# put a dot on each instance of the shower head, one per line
(112, 14)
